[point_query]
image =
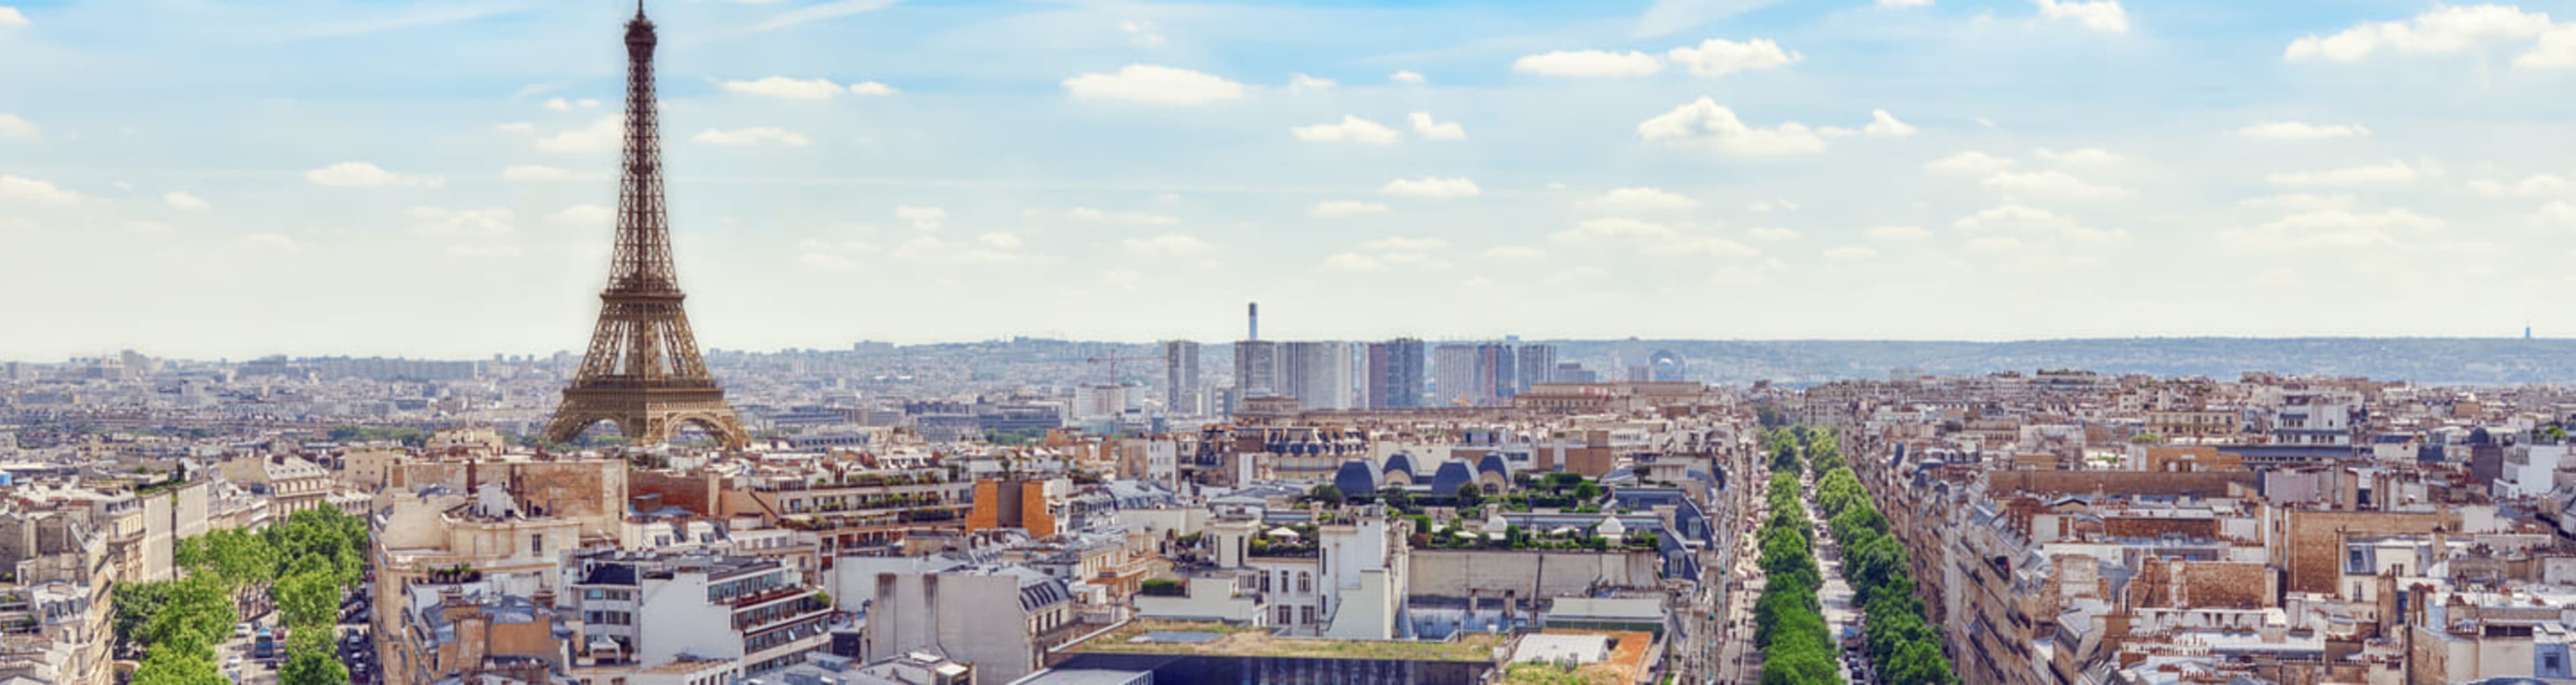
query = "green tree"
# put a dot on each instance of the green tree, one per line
(179, 667)
(313, 668)
(1469, 495)
(1325, 493)
(308, 599)
(1396, 497)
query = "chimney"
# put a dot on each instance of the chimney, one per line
(1252, 316)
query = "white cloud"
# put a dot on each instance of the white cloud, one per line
(872, 89)
(1904, 3)
(1849, 253)
(2439, 30)
(784, 87)
(1641, 199)
(2033, 222)
(2080, 158)
(1301, 83)
(1127, 218)
(538, 172)
(931, 249)
(2335, 228)
(469, 223)
(36, 191)
(1335, 209)
(922, 218)
(2557, 212)
(1351, 130)
(1589, 64)
(1407, 77)
(268, 242)
(2300, 130)
(1717, 57)
(1431, 187)
(1615, 228)
(10, 16)
(1002, 240)
(1994, 243)
(1885, 125)
(1142, 33)
(1898, 233)
(604, 133)
(2538, 185)
(1771, 234)
(1403, 244)
(1650, 238)
(1708, 246)
(559, 105)
(516, 127)
(178, 199)
(1704, 123)
(587, 103)
(834, 9)
(1515, 252)
(833, 255)
(757, 135)
(2299, 202)
(587, 215)
(1168, 245)
(2099, 15)
(1969, 163)
(1156, 85)
(365, 175)
(821, 260)
(1424, 126)
(2051, 184)
(136, 226)
(2394, 172)
(12, 126)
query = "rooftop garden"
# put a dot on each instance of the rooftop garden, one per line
(1239, 640)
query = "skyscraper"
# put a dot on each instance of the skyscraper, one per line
(1537, 364)
(1318, 374)
(1453, 375)
(1395, 374)
(1181, 393)
(1256, 369)
(1496, 376)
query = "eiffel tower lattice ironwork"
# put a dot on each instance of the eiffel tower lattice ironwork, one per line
(643, 371)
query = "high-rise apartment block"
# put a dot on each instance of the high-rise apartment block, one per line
(1318, 374)
(1182, 395)
(1395, 374)
(1537, 364)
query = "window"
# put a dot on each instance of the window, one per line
(2549, 664)
(1265, 582)
(1305, 614)
(1283, 615)
(1305, 582)
(536, 543)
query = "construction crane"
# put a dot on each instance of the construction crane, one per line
(1113, 363)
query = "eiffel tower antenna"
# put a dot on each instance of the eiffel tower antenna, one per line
(643, 371)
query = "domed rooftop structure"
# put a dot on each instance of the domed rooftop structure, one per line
(1399, 463)
(1452, 473)
(1493, 463)
(1355, 478)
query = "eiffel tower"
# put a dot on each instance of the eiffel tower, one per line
(643, 371)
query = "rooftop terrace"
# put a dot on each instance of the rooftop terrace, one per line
(1220, 639)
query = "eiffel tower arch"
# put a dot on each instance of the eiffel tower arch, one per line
(643, 371)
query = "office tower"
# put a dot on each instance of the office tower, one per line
(1395, 374)
(643, 371)
(1181, 393)
(1537, 364)
(1453, 376)
(1495, 373)
(1256, 369)
(1318, 374)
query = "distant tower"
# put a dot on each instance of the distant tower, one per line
(1252, 321)
(643, 371)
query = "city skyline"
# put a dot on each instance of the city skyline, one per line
(431, 180)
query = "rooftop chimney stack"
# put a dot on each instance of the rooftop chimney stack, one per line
(1252, 312)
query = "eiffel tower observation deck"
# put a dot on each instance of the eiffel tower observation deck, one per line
(643, 371)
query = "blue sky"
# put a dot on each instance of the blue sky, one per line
(228, 180)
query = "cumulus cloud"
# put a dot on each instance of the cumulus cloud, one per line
(2392, 173)
(1335, 209)
(1424, 126)
(2335, 228)
(1431, 187)
(1142, 33)
(2099, 15)
(583, 215)
(1002, 240)
(1704, 123)
(1155, 85)
(1615, 228)
(1905, 234)
(2051, 184)
(1641, 199)
(2035, 223)
(1301, 83)
(1717, 57)
(1514, 253)
(1848, 253)
(1881, 125)
(1127, 218)
(13, 126)
(757, 135)
(2081, 157)
(2300, 130)
(2299, 202)
(2443, 29)
(604, 133)
(1771, 234)
(784, 87)
(2537, 185)
(366, 175)
(1168, 245)
(10, 16)
(516, 128)
(35, 191)
(922, 218)
(179, 199)
(1407, 77)
(1969, 163)
(1589, 64)
(1351, 130)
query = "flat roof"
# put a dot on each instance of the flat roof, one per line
(1236, 640)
